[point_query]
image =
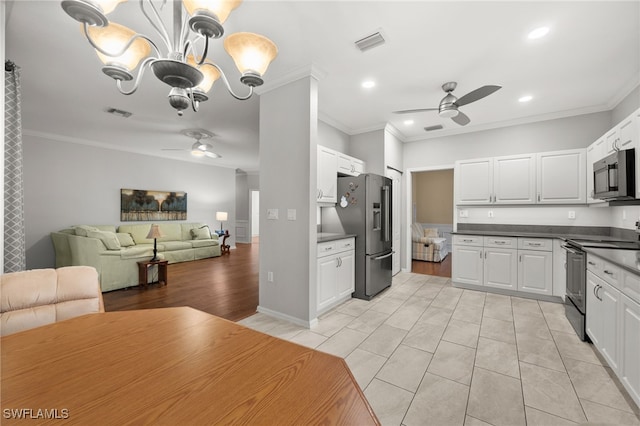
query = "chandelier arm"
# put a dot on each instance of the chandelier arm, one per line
(184, 35)
(161, 29)
(226, 83)
(126, 46)
(143, 66)
(194, 104)
(190, 45)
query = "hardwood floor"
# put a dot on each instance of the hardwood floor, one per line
(226, 286)
(441, 269)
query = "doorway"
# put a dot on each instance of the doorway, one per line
(432, 206)
(255, 216)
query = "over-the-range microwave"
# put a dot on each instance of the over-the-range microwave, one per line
(614, 176)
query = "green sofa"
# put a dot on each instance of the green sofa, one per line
(114, 252)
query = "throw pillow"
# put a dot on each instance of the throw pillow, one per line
(81, 230)
(431, 232)
(200, 233)
(108, 238)
(126, 240)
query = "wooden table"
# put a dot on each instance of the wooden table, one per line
(174, 366)
(143, 268)
(224, 247)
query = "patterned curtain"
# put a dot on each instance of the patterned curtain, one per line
(14, 234)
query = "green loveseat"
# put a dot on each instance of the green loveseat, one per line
(114, 252)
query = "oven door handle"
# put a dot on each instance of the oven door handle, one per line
(571, 250)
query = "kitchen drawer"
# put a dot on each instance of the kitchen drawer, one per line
(542, 244)
(468, 240)
(326, 248)
(345, 245)
(595, 264)
(611, 274)
(630, 285)
(503, 242)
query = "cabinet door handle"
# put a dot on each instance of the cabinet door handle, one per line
(500, 242)
(591, 263)
(597, 292)
(481, 254)
(535, 244)
(485, 254)
(520, 260)
(538, 197)
(608, 272)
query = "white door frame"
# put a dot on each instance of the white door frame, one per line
(409, 206)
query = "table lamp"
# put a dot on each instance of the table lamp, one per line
(221, 216)
(154, 233)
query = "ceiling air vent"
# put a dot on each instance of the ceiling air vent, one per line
(369, 42)
(119, 112)
(432, 128)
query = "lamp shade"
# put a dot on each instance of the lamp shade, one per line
(250, 52)
(108, 6)
(222, 216)
(155, 232)
(112, 38)
(220, 8)
(211, 74)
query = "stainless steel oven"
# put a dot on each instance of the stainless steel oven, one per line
(575, 300)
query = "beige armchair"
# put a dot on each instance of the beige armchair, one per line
(427, 245)
(30, 299)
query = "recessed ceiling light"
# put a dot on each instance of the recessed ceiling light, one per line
(525, 98)
(538, 33)
(408, 122)
(368, 84)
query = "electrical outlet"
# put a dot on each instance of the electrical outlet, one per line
(490, 213)
(464, 213)
(291, 214)
(270, 276)
(571, 214)
(272, 214)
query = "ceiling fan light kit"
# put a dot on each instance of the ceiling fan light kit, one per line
(122, 50)
(450, 104)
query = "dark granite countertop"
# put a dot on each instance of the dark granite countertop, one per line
(627, 259)
(323, 237)
(526, 234)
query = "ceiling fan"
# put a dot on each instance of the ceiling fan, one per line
(199, 148)
(448, 107)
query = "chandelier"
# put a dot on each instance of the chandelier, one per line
(178, 64)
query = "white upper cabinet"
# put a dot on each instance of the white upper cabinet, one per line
(546, 178)
(474, 181)
(349, 166)
(561, 177)
(623, 136)
(327, 175)
(514, 179)
(595, 152)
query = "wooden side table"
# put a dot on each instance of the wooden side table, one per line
(143, 268)
(224, 247)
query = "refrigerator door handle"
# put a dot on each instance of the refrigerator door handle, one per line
(386, 216)
(384, 256)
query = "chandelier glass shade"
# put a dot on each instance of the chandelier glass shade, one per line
(179, 60)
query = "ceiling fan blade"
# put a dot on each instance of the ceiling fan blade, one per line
(410, 111)
(172, 149)
(461, 118)
(477, 95)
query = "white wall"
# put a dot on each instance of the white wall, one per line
(288, 155)
(70, 184)
(551, 135)
(629, 104)
(369, 147)
(333, 138)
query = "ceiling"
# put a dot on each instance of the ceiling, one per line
(588, 62)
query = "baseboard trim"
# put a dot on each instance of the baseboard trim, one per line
(307, 324)
(524, 295)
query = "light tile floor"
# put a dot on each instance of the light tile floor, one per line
(427, 353)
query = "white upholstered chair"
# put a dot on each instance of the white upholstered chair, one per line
(427, 245)
(29, 299)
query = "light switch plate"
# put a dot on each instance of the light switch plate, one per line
(291, 214)
(272, 214)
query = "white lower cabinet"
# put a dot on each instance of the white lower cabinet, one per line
(629, 370)
(507, 263)
(336, 272)
(613, 322)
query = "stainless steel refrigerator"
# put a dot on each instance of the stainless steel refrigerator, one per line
(364, 209)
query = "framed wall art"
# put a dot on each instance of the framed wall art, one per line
(145, 205)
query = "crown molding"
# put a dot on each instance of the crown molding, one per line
(395, 132)
(95, 144)
(509, 123)
(334, 123)
(310, 70)
(624, 92)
